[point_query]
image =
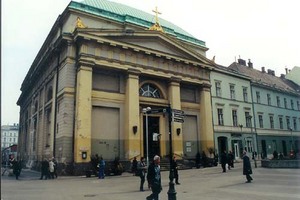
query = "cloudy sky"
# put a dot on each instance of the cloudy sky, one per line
(265, 31)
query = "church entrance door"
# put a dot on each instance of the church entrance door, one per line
(153, 137)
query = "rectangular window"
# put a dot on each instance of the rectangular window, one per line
(298, 105)
(220, 117)
(288, 123)
(257, 97)
(285, 102)
(234, 118)
(261, 121)
(278, 101)
(271, 122)
(218, 89)
(280, 123)
(292, 104)
(269, 99)
(248, 119)
(295, 124)
(245, 94)
(232, 91)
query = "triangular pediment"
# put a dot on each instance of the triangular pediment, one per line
(152, 41)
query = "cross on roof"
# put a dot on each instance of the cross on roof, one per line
(156, 14)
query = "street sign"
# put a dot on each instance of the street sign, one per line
(178, 120)
(177, 111)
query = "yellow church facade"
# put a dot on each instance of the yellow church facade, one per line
(92, 80)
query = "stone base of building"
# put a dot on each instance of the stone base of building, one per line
(280, 163)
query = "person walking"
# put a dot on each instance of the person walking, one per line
(16, 166)
(175, 170)
(134, 166)
(55, 166)
(101, 168)
(142, 168)
(230, 160)
(45, 169)
(154, 179)
(51, 169)
(223, 160)
(247, 170)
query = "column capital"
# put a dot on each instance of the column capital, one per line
(205, 86)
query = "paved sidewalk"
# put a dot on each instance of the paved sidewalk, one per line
(207, 184)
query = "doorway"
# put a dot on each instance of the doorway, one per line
(153, 139)
(222, 143)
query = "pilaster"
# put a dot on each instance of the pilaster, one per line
(132, 114)
(83, 114)
(206, 125)
(174, 100)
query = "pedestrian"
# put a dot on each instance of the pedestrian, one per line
(134, 166)
(51, 169)
(247, 170)
(230, 159)
(44, 169)
(175, 170)
(198, 160)
(154, 178)
(101, 168)
(223, 160)
(204, 159)
(142, 168)
(16, 166)
(55, 166)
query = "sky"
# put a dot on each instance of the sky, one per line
(265, 31)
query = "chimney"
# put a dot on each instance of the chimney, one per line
(286, 71)
(270, 71)
(263, 70)
(250, 64)
(282, 75)
(273, 72)
(242, 62)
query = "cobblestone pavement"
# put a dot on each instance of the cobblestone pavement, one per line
(204, 183)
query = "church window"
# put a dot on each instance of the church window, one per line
(149, 90)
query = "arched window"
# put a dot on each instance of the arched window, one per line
(149, 90)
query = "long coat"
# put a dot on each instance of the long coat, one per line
(246, 165)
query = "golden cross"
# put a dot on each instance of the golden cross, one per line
(156, 14)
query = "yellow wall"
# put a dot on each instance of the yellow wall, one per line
(83, 114)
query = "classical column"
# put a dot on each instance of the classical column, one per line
(175, 102)
(206, 125)
(133, 130)
(83, 115)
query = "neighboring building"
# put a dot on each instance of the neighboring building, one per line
(98, 68)
(293, 75)
(9, 135)
(276, 106)
(232, 106)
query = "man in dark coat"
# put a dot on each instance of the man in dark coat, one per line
(230, 160)
(247, 170)
(223, 160)
(175, 170)
(45, 169)
(142, 168)
(16, 166)
(154, 178)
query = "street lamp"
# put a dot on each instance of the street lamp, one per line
(253, 150)
(146, 111)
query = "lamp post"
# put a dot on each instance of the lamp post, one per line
(146, 111)
(253, 139)
(171, 191)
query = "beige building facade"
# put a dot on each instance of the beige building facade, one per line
(85, 91)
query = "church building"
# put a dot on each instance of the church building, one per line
(100, 67)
